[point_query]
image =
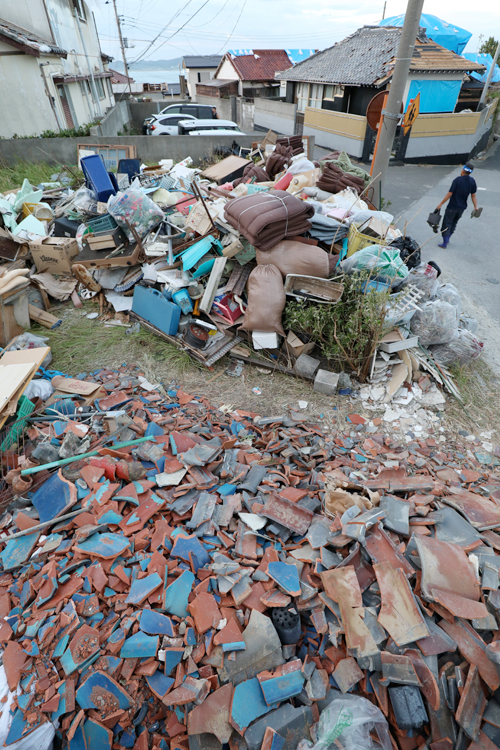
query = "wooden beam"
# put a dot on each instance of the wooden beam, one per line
(19, 45)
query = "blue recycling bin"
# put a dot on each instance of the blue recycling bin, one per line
(97, 177)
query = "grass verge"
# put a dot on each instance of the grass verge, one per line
(13, 177)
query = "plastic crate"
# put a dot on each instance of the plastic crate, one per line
(101, 224)
(357, 241)
(15, 430)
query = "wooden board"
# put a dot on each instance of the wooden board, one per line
(21, 356)
(11, 378)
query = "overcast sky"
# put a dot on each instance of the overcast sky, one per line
(213, 26)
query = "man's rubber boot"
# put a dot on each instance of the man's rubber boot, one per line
(444, 243)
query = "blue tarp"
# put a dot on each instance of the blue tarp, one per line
(435, 96)
(446, 34)
(483, 59)
(295, 55)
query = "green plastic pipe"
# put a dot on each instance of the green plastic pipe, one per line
(64, 461)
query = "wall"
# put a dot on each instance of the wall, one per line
(227, 72)
(149, 148)
(28, 14)
(116, 120)
(448, 138)
(192, 79)
(277, 116)
(336, 130)
(223, 105)
(429, 77)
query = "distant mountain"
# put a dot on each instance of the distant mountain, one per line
(172, 64)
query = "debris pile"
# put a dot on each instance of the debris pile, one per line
(175, 575)
(250, 256)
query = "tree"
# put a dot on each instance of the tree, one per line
(489, 46)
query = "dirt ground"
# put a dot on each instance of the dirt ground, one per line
(80, 346)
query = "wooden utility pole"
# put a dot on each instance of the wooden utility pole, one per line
(391, 112)
(122, 46)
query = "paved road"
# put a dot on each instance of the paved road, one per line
(472, 259)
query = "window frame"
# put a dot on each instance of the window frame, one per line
(79, 6)
(100, 87)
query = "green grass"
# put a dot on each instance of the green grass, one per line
(81, 345)
(12, 177)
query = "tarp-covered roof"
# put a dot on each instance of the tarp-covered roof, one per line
(446, 34)
(366, 58)
(486, 60)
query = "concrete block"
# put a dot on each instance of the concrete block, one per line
(291, 723)
(326, 382)
(306, 366)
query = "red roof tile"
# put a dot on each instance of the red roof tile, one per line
(261, 65)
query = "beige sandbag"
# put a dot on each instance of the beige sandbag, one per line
(291, 256)
(266, 300)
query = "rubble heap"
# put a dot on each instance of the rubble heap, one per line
(174, 576)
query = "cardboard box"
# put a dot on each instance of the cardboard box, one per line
(70, 386)
(54, 254)
(295, 346)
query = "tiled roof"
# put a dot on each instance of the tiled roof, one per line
(261, 65)
(32, 44)
(120, 77)
(367, 57)
(201, 61)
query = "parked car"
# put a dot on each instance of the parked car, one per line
(200, 111)
(168, 125)
(210, 127)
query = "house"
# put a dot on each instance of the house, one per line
(122, 84)
(332, 89)
(254, 71)
(197, 69)
(52, 71)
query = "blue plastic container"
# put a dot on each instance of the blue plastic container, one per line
(151, 305)
(181, 297)
(97, 177)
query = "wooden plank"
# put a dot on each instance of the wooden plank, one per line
(11, 377)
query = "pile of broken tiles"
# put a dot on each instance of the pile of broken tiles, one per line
(209, 593)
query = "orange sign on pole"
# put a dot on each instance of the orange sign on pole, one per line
(411, 113)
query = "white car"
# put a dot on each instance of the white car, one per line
(208, 127)
(168, 125)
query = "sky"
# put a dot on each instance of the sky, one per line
(189, 27)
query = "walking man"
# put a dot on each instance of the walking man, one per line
(459, 192)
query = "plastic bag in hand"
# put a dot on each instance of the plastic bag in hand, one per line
(134, 207)
(383, 262)
(350, 719)
(435, 323)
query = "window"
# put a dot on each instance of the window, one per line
(302, 96)
(84, 88)
(171, 110)
(332, 91)
(172, 120)
(100, 88)
(79, 6)
(315, 95)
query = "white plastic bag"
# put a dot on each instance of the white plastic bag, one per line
(468, 322)
(350, 719)
(463, 349)
(435, 323)
(424, 277)
(383, 262)
(30, 341)
(359, 217)
(300, 166)
(449, 293)
(134, 207)
(40, 388)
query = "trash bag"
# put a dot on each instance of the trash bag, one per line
(136, 208)
(449, 293)
(463, 349)
(409, 251)
(435, 323)
(266, 300)
(384, 262)
(350, 719)
(39, 388)
(30, 341)
(424, 277)
(468, 322)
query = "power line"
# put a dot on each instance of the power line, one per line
(161, 32)
(234, 27)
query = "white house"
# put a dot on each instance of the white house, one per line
(199, 68)
(53, 74)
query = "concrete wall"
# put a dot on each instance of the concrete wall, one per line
(275, 115)
(336, 130)
(117, 120)
(59, 151)
(223, 105)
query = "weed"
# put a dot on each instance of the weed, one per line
(80, 132)
(13, 177)
(347, 332)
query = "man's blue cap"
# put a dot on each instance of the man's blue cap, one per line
(468, 168)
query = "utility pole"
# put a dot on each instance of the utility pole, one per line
(383, 12)
(122, 46)
(488, 79)
(391, 113)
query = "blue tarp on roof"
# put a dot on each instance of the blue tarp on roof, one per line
(295, 55)
(446, 34)
(483, 59)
